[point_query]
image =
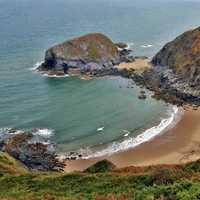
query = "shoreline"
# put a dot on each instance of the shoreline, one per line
(177, 145)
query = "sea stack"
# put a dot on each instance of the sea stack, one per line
(93, 51)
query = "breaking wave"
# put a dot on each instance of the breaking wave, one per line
(132, 142)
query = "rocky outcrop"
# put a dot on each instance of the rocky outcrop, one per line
(176, 72)
(93, 53)
(89, 52)
(182, 55)
(32, 151)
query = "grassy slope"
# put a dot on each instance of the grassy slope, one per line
(159, 182)
(9, 165)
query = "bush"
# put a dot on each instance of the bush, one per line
(101, 167)
(162, 176)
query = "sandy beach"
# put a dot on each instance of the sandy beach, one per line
(139, 64)
(177, 145)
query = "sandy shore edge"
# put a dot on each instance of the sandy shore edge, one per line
(177, 145)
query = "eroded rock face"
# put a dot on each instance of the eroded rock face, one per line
(90, 52)
(182, 55)
(175, 76)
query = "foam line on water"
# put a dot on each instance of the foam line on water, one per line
(34, 68)
(129, 45)
(55, 76)
(147, 46)
(132, 142)
(44, 132)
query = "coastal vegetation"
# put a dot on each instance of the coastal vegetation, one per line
(51, 127)
(163, 182)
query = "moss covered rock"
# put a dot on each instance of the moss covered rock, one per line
(89, 52)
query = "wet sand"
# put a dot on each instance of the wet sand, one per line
(177, 145)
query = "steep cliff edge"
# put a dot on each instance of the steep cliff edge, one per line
(175, 75)
(182, 55)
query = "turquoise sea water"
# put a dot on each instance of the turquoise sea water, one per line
(75, 109)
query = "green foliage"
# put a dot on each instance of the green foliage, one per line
(101, 167)
(193, 166)
(162, 176)
(158, 183)
(9, 165)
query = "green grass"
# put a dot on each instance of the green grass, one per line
(150, 183)
(9, 165)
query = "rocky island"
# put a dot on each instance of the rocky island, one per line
(92, 53)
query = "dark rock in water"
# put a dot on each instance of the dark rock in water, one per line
(125, 56)
(128, 59)
(90, 52)
(101, 167)
(142, 92)
(142, 96)
(125, 52)
(34, 154)
(141, 57)
(121, 45)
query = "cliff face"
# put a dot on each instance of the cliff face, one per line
(92, 51)
(183, 56)
(175, 76)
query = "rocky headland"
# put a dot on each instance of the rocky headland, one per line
(175, 76)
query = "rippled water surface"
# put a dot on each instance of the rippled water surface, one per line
(82, 113)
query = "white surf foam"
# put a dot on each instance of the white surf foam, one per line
(147, 46)
(132, 142)
(126, 133)
(129, 45)
(44, 132)
(100, 129)
(9, 131)
(55, 76)
(34, 68)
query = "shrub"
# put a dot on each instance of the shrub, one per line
(101, 167)
(162, 176)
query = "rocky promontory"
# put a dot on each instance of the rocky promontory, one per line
(35, 152)
(176, 72)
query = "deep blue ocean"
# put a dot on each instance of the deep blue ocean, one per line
(70, 111)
